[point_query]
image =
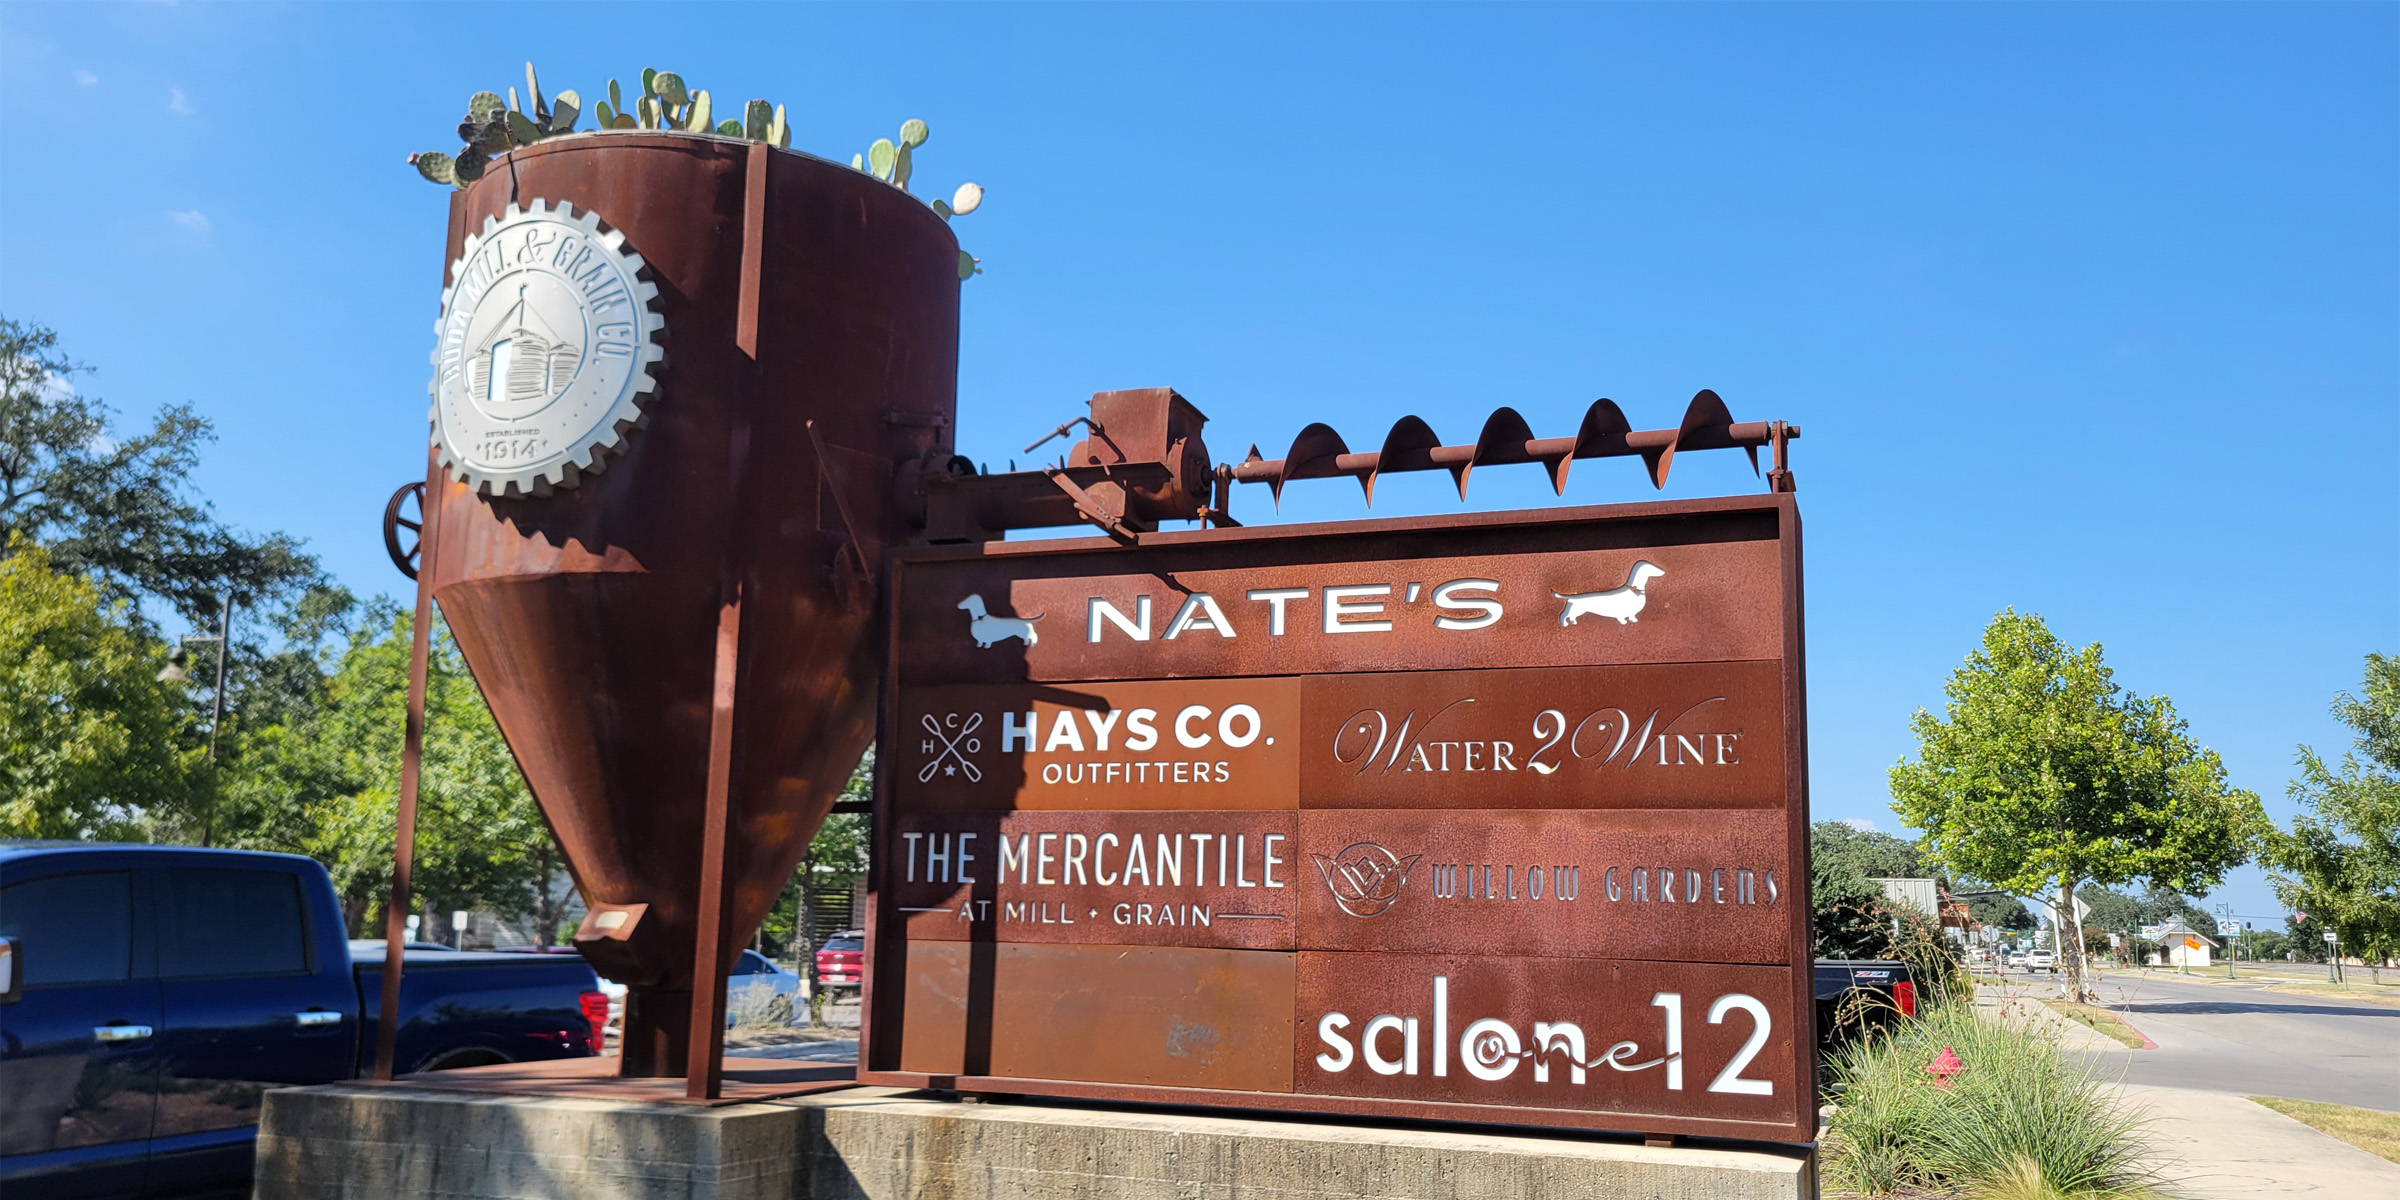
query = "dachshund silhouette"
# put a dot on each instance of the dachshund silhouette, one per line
(1624, 603)
(987, 629)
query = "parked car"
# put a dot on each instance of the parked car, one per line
(1857, 996)
(154, 993)
(752, 986)
(2041, 960)
(842, 962)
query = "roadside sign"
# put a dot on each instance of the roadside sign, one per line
(1494, 818)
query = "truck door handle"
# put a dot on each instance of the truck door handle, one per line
(317, 1020)
(120, 1033)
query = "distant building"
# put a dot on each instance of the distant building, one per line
(1919, 894)
(2180, 945)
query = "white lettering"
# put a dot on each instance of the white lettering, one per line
(1199, 611)
(1225, 726)
(1275, 598)
(1142, 734)
(1447, 596)
(1183, 727)
(1138, 628)
(1337, 607)
(1064, 733)
(1327, 1032)
(1012, 733)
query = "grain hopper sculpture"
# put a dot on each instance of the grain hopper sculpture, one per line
(688, 389)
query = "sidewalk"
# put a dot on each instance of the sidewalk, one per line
(2213, 1146)
(2022, 1008)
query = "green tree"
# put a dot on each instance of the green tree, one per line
(1871, 852)
(2046, 775)
(324, 782)
(2340, 863)
(117, 506)
(91, 743)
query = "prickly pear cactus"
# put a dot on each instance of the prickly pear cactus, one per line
(434, 165)
(495, 125)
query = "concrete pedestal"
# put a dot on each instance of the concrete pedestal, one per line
(389, 1143)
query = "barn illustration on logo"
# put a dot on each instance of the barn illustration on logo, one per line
(524, 361)
(1365, 878)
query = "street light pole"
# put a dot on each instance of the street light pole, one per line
(216, 720)
(216, 717)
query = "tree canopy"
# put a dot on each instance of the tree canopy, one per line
(2340, 863)
(117, 507)
(2045, 774)
(92, 745)
(323, 780)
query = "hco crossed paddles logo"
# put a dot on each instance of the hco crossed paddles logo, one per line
(956, 740)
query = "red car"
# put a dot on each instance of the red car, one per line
(842, 961)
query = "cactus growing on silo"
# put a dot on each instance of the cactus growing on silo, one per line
(495, 125)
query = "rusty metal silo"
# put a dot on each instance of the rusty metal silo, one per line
(703, 597)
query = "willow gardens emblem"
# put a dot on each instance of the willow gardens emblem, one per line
(545, 347)
(1359, 818)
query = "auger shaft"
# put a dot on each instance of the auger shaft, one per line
(1319, 452)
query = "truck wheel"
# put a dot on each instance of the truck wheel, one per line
(473, 1056)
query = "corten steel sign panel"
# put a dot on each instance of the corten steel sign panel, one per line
(1495, 818)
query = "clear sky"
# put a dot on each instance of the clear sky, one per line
(2088, 310)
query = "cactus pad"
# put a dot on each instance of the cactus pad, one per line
(913, 133)
(967, 198)
(434, 165)
(756, 116)
(880, 157)
(669, 87)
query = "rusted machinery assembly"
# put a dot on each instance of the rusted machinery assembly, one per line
(1320, 452)
(688, 392)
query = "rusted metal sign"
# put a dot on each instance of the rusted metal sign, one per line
(1496, 818)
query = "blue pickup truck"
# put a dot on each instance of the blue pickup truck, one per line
(150, 994)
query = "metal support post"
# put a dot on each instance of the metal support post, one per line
(412, 755)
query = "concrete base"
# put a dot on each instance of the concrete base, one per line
(385, 1143)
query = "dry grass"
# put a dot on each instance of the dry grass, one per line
(2101, 1020)
(2372, 1130)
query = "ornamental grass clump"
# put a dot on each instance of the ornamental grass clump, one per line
(2022, 1121)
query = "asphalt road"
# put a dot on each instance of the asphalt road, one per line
(2243, 1039)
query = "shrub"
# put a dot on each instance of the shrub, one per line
(2022, 1120)
(759, 1007)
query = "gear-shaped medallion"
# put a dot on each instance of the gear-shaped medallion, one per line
(544, 352)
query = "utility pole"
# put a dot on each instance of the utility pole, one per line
(216, 720)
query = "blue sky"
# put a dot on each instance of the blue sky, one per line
(2088, 310)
